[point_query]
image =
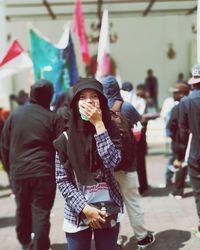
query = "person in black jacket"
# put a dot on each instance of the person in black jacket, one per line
(189, 121)
(28, 156)
(181, 89)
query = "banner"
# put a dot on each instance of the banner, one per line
(103, 55)
(52, 63)
(79, 28)
(15, 59)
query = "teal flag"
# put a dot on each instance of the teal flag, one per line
(54, 64)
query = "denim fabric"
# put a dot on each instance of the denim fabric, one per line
(105, 239)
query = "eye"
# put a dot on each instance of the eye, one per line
(82, 97)
(94, 96)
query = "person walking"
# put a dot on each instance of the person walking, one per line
(87, 154)
(189, 120)
(28, 156)
(181, 89)
(151, 84)
(128, 180)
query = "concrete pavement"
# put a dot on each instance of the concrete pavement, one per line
(171, 219)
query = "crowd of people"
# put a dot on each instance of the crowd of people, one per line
(79, 147)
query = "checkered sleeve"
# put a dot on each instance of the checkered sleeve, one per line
(67, 187)
(108, 152)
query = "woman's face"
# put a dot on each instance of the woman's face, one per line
(89, 96)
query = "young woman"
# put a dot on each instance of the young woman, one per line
(85, 169)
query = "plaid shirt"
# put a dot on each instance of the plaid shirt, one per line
(74, 199)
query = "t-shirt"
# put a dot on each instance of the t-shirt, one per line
(94, 193)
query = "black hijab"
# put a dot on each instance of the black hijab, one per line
(82, 151)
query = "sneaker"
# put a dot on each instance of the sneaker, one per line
(147, 241)
(27, 246)
(176, 196)
(196, 233)
(119, 241)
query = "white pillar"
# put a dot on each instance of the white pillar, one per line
(2, 29)
(5, 78)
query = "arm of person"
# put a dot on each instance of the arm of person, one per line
(110, 155)
(5, 144)
(130, 113)
(94, 216)
(183, 132)
(107, 150)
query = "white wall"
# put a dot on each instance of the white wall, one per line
(142, 44)
(2, 28)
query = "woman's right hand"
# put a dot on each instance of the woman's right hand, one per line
(95, 216)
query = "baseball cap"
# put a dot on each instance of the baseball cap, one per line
(195, 75)
(180, 87)
(173, 90)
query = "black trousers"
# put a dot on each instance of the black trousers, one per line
(180, 181)
(34, 200)
(194, 174)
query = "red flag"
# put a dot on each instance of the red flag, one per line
(79, 28)
(14, 51)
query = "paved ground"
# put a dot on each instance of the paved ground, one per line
(171, 219)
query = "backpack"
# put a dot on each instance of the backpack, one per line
(128, 142)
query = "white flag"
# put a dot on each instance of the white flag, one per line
(103, 56)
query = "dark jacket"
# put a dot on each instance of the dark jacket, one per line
(189, 121)
(81, 133)
(178, 150)
(112, 92)
(27, 137)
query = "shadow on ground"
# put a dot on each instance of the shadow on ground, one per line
(59, 246)
(166, 240)
(157, 191)
(4, 187)
(4, 195)
(187, 195)
(7, 221)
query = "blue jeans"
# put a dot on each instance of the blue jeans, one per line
(105, 239)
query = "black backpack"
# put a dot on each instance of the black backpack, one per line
(128, 143)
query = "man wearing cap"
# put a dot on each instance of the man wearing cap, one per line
(189, 120)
